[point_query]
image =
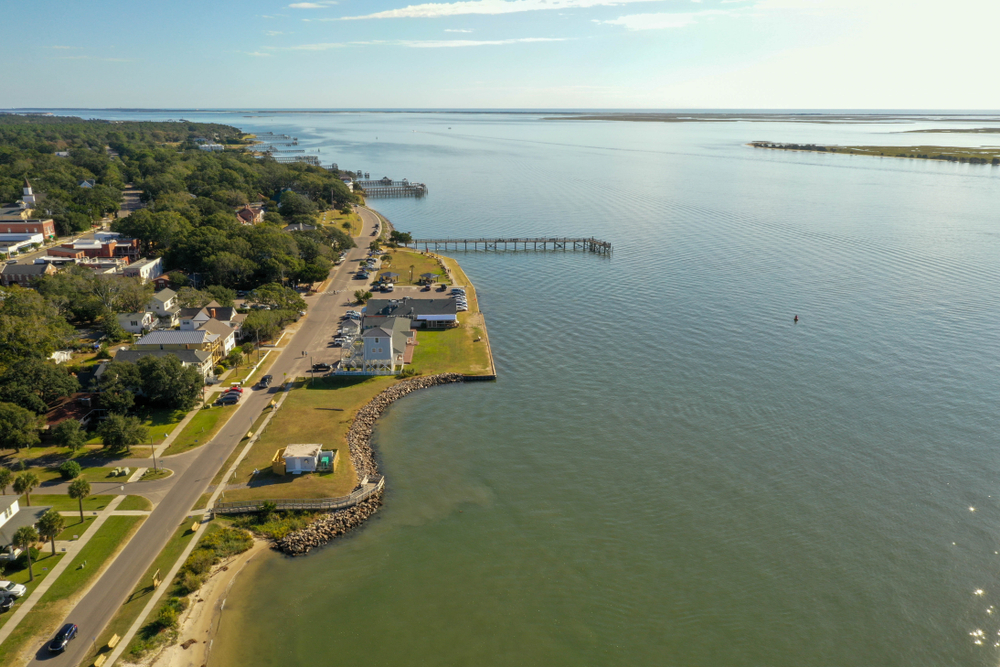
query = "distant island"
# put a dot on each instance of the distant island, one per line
(947, 153)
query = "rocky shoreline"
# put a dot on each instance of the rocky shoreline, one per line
(365, 463)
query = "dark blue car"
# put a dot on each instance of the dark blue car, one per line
(58, 643)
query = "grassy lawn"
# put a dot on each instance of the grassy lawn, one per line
(318, 414)
(135, 503)
(453, 350)
(337, 219)
(247, 377)
(74, 527)
(160, 423)
(129, 611)
(46, 561)
(63, 503)
(403, 258)
(52, 476)
(152, 475)
(232, 457)
(201, 429)
(48, 613)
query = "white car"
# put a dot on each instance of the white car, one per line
(17, 590)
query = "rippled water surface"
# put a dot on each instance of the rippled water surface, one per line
(669, 471)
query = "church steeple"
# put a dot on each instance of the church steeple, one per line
(28, 197)
(27, 188)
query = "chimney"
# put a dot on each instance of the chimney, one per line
(213, 313)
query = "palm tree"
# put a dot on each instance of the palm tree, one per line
(5, 477)
(50, 525)
(411, 273)
(25, 483)
(78, 490)
(24, 537)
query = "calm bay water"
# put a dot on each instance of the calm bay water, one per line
(669, 471)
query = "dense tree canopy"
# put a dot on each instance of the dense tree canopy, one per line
(34, 383)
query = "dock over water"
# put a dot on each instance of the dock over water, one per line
(386, 187)
(514, 244)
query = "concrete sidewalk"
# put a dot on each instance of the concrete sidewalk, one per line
(72, 549)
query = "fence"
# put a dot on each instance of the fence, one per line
(368, 488)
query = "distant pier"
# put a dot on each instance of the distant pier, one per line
(386, 187)
(514, 244)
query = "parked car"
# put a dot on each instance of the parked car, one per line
(59, 642)
(322, 367)
(228, 399)
(442, 288)
(388, 287)
(11, 553)
(17, 590)
(6, 602)
(339, 340)
(426, 288)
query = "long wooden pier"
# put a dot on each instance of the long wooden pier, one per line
(386, 187)
(549, 243)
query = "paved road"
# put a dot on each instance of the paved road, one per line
(95, 610)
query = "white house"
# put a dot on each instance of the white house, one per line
(13, 516)
(301, 458)
(385, 346)
(89, 183)
(164, 305)
(212, 147)
(224, 331)
(145, 269)
(137, 323)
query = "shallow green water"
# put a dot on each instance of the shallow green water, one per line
(669, 471)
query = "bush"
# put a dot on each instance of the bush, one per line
(167, 618)
(22, 561)
(70, 470)
(188, 583)
(219, 369)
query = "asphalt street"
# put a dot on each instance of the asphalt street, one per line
(99, 605)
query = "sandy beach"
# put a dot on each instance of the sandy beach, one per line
(200, 620)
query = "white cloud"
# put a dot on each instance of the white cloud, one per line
(63, 47)
(438, 9)
(446, 30)
(417, 43)
(315, 47)
(662, 21)
(272, 33)
(258, 54)
(452, 43)
(311, 5)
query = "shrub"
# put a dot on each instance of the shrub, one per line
(167, 618)
(189, 583)
(219, 369)
(22, 561)
(70, 470)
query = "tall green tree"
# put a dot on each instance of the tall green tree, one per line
(120, 433)
(50, 525)
(168, 383)
(24, 538)
(29, 325)
(79, 489)
(25, 483)
(5, 479)
(18, 427)
(70, 434)
(35, 383)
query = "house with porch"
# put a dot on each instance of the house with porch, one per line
(137, 323)
(164, 305)
(200, 360)
(172, 340)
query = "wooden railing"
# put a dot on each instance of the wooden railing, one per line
(369, 487)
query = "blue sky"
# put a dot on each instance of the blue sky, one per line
(501, 54)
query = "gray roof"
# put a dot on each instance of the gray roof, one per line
(196, 357)
(217, 327)
(164, 295)
(299, 227)
(409, 307)
(25, 269)
(171, 337)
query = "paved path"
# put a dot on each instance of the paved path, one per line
(96, 609)
(72, 549)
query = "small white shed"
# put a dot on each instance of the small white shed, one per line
(301, 458)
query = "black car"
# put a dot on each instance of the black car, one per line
(266, 381)
(58, 643)
(6, 602)
(322, 367)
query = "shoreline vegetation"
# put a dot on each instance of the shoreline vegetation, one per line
(989, 156)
